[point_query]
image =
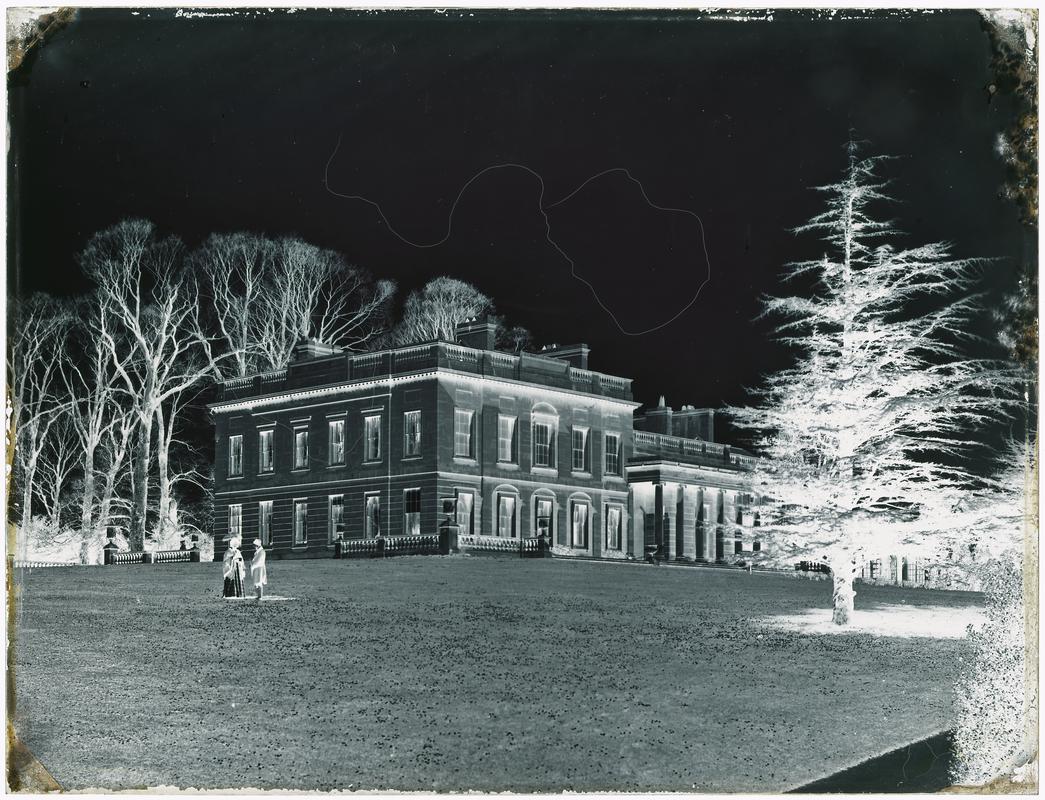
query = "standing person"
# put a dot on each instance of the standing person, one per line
(232, 569)
(258, 571)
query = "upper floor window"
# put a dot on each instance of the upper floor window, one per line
(412, 512)
(265, 459)
(463, 432)
(301, 448)
(336, 441)
(411, 433)
(613, 454)
(580, 450)
(579, 524)
(235, 455)
(507, 448)
(372, 432)
(543, 442)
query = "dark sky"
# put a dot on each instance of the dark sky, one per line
(227, 123)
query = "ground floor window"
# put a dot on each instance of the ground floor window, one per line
(614, 526)
(235, 520)
(265, 522)
(336, 515)
(412, 512)
(506, 515)
(372, 515)
(579, 524)
(543, 510)
(300, 521)
(465, 512)
(738, 546)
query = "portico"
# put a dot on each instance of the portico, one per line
(689, 499)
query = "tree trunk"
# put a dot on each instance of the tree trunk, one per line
(140, 486)
(87, 497)
(162, 463)
(843, 595)
(27, 515)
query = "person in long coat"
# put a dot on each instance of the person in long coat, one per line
(258, 571)
(232, 570)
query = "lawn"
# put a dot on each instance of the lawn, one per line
(444, 673)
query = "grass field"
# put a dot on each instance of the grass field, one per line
(441, 673)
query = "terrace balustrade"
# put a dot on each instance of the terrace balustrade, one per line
(533, 368)
(690, 451)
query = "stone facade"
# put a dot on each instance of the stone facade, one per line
(361, 444)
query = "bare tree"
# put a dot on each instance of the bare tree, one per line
(514, 339)
(148, 322)
(41, 325)
(234, 269)
(435, 311)
(95, 408)
(865, 434)
(58, 461)
(267, 295)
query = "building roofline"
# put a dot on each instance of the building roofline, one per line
(222, 407)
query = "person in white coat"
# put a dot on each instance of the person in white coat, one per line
(258, 571)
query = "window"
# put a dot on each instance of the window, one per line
(543, 518)
(301, 448)
(614, 525)
(613, 454)
(465, 517)
(463, 432)
(756, 546)
(235, 455)
(506, 516)
(372, 515)
(579, 525)
(265, 463)
(412, 512)
(300, 521)
(265, 522)
(580, 449)
(506, 444)
(738, 546)
(336, 441)
(412, 433)
(235, 520)
(543, 443)
(372, 430)
(336, 516)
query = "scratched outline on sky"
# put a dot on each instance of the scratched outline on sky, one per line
(547, 226)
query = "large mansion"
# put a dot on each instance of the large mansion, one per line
(530, 446)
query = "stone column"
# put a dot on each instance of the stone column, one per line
(717, 511)
(658, 516)
(729, 515)
(671, 510)
(640, 497)
(689, 516)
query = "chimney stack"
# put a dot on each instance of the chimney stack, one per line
(309, 348)
(575, 354)
(478, 333)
